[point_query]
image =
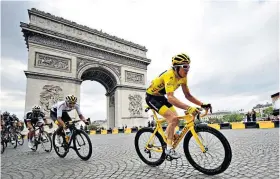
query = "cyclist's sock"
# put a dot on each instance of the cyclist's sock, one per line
(169, 144)
(169, 147)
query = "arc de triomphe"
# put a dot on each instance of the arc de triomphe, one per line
(62, 54)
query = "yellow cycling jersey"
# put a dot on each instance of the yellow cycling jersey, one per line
(165, 83)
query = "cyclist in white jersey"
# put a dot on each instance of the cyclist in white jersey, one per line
(60, 110)
(59, 113)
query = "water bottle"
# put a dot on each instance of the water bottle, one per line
(176, 135)
(67, 135)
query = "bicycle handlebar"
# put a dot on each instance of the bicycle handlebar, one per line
(74, 122)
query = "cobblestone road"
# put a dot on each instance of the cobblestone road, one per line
(255, 155)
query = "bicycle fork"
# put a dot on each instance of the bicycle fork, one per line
(201, 146)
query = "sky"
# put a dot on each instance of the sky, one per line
(233, 46)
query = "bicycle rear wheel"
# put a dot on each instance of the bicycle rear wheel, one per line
(59, 144)
(223, 158)
(157, 148)
(80, 139)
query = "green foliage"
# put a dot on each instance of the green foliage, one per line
(268, 111)
(234, 117)
(215, 120)
(92, 127)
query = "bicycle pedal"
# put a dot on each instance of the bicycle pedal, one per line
(168, 158)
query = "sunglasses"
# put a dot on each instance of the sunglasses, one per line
(185, 67)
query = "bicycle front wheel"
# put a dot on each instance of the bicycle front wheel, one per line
(211, 162)
(81, 139)
(14, 137)
(46, 141)
(152, 154)
(20, 138)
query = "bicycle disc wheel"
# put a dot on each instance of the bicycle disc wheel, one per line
(20, 138)
(46, 141)
(141, 138)
(80, 139)
(221, 159)
(59, 145)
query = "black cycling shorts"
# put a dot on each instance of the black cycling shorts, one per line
(65, 116)
(159, 103)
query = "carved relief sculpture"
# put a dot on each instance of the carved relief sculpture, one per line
(49, 96)
(134, 77)
(53, 62)
(135, 105)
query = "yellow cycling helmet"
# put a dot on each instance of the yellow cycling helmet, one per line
(180, 59)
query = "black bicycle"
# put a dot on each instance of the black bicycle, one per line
(62, 142)
(18, 130)
(8, 136)
(42, 137)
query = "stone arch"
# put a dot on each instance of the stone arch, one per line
(97, 66)
(62, 54)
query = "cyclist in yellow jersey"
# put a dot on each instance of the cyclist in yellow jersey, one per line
(166, 84)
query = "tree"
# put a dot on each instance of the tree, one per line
(92, 127)
(268, 111)
(215, 120)
(234, 117)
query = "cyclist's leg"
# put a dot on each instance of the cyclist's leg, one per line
(30, 134)
(160, 104)
(65, 117)
(30, 128)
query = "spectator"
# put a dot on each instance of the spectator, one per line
(149, 124)
(254, 115)
(248, 115)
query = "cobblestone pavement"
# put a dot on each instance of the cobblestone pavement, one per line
(255, 155)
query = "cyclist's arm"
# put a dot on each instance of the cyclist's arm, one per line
(188, 95)
(43, 116)
(78, 109)
(176, 102)
(28, 121)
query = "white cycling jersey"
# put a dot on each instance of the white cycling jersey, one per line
(61, 106)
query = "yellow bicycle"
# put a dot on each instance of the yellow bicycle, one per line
(194, 132)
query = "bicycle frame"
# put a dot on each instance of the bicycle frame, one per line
(73, 130)
(188, 127)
